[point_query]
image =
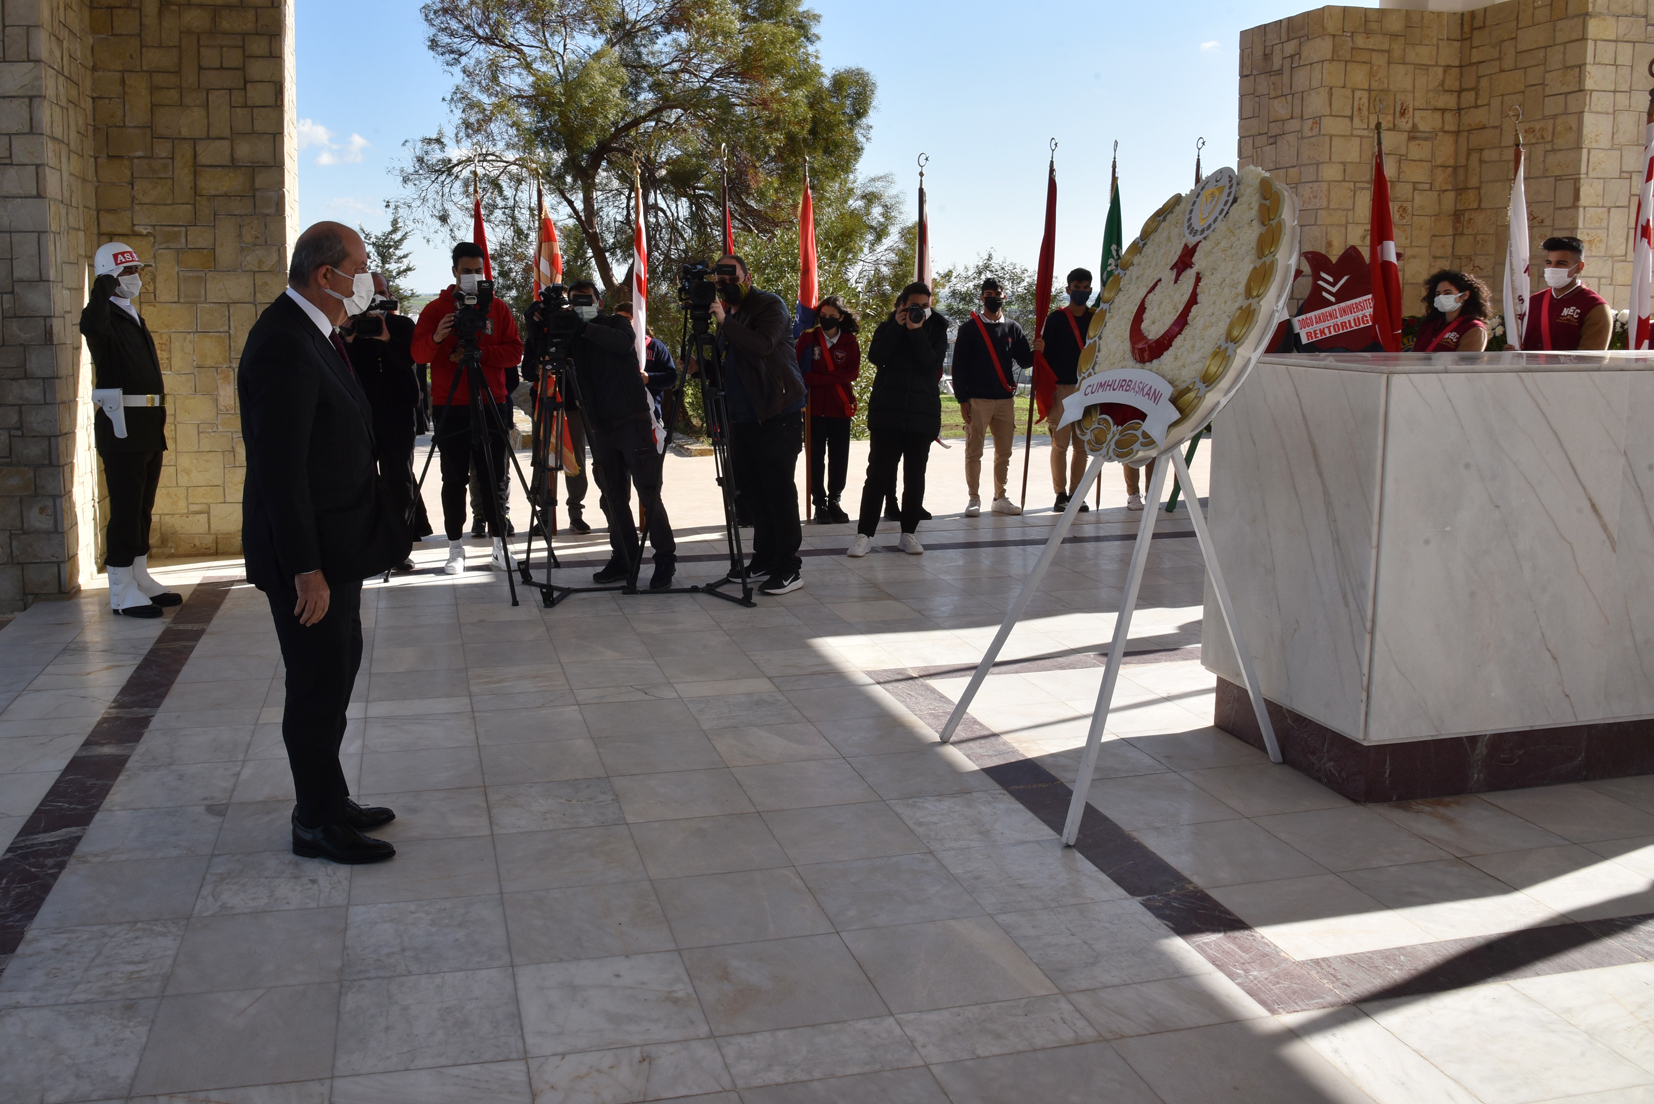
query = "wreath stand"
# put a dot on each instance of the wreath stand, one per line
(1122, 624)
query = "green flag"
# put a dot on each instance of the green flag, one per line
(1113, 238)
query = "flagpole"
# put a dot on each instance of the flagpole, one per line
(1102, 270)
(1042, 289)
(809, 464)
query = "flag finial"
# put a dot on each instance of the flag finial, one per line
(1200, 144)
(924, 159)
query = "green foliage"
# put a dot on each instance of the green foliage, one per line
(389, 256)
(962, 291)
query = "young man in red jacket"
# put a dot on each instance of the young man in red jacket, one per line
(436, 344)
(830, 358)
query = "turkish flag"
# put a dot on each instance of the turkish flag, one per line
(1386, 273)
(1045, 380)
(479, 236)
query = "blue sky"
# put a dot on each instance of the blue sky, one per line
(980, 87)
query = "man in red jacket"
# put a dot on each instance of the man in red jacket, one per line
(830, 357)
(436, 344)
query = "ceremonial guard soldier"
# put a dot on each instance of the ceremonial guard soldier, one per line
(129, 426)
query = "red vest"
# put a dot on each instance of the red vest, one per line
(1436, 336)
(1563, 319)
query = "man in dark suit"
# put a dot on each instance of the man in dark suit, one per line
(312, 524)
(129, 425)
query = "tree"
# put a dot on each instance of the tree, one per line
(575, 93)
(388, 254)
(962, 290)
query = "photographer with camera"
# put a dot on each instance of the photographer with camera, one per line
(765, 392)
(904, 414)
(380, 343)
(536, 349)
(460, 312)
(619, 415)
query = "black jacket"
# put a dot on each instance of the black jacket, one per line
(385, 369)
(312, 498)
(757, 339)
(907, 396)
(974, 376)
(612, 391)
(123, 355)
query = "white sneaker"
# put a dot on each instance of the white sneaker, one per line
(456, 558)
(909, 543)
(501, 560)
(1006, 506)
(973, 507)
(1134, 502)
(861, 546)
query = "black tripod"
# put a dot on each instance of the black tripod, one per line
(700, 346)
(483, 416)
(557, 381)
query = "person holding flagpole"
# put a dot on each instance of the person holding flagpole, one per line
(830, 358)
(1064, 335)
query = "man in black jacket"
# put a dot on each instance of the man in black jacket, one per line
(129, 426)
(765, 392)
(313, 526)
(620, 424)
(904, 413)
(381, 353)
(986, 352)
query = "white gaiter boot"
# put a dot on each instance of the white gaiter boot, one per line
(125, 598)
(151, 589)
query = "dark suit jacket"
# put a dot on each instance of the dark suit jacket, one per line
(311, 495)
(123, 355)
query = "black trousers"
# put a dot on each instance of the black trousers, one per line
(764, 456)
(322, 661)
(131, 478)
(829, 458)
(454, 442)
(887, 449)
(395, 453)
(624, 458)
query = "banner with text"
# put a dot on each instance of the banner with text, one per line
(1144, 391)
(1336, 319)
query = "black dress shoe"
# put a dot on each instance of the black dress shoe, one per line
(613, 573)
(166, 598)
(338, 843)
(374, 816)
(151, 610)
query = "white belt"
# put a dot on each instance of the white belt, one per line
(113, 403)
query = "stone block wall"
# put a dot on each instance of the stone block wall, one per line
(1445, 86)
(169, 126)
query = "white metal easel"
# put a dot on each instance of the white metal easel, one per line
(1122, 624)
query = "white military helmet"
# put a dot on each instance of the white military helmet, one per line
(111, 257)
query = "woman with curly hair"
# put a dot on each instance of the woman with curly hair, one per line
(1455, 306)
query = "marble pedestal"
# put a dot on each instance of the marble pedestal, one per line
(1443, 566)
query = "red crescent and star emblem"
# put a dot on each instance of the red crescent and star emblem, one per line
(1143, 349)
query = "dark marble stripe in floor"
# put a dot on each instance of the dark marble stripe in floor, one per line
(1276, 980)
(43, 846)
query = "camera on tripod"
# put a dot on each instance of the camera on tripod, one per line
(551, 320)
(471, 311)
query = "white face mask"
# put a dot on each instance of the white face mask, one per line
(361, 293)
(130, 285)
(586, 313)
(468, 282)
(1447, 304)
(1558, 277)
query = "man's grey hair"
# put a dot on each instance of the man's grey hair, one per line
(322, 244)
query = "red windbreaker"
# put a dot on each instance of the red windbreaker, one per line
(500, 350)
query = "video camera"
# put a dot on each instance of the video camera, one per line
(372, 323)
(696, 291)
(551, 321)
(471, 311)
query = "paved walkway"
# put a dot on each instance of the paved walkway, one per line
(669, 848)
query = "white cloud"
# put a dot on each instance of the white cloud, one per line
(351, 205)
(1205, 48)
(312, 133)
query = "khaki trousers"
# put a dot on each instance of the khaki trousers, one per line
(999, 416)
(1066, 470)
(1132, 473)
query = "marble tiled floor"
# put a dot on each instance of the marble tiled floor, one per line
(668, 848)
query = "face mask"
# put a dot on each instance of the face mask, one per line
(468, 282)
(1079, 297)
(361, 293)
(829, 324)
(130, 285)
(586, 312)
(992, 304)
(1558, 277)
(1447, 303)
